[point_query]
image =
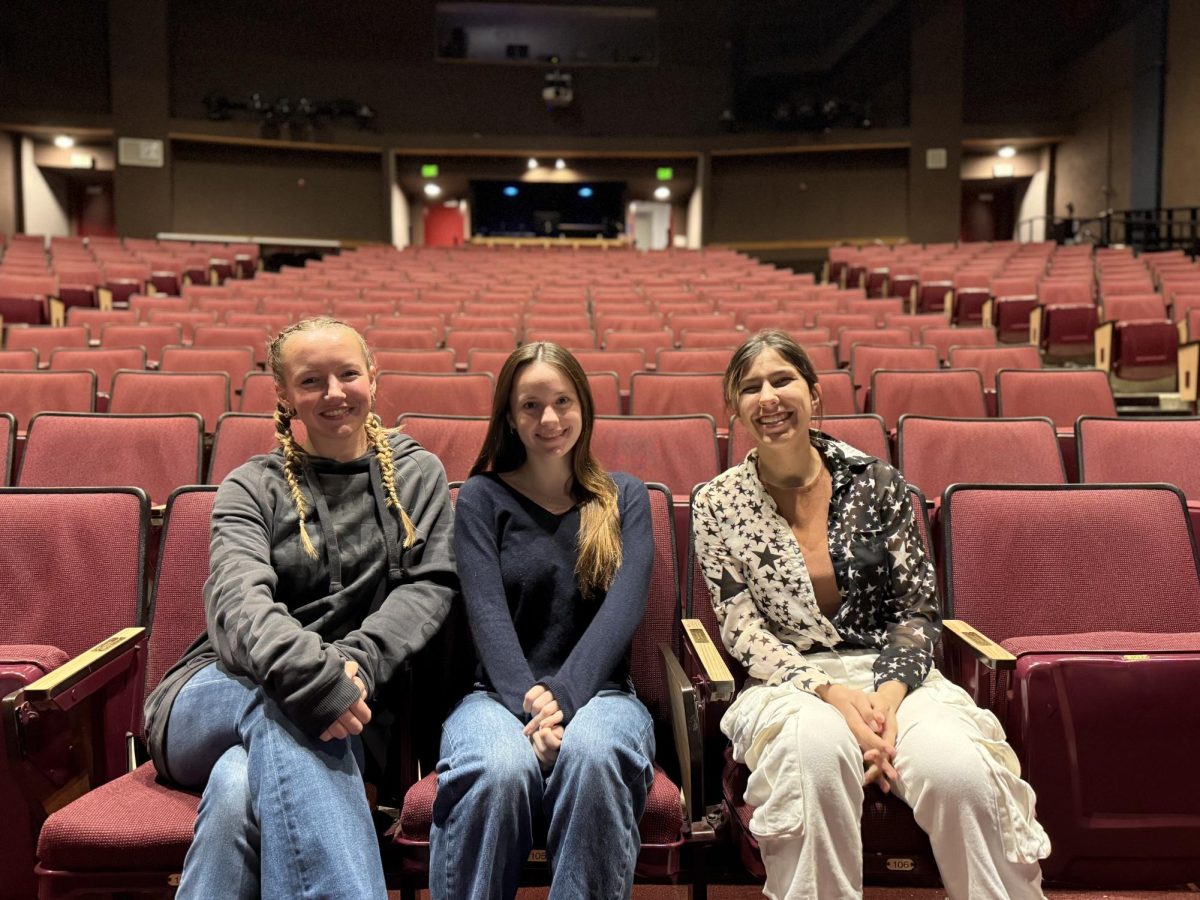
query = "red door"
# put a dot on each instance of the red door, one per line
(444, 226)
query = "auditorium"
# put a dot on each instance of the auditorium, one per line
(590, 449)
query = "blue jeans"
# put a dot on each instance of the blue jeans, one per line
(283, 814)
(491, 788)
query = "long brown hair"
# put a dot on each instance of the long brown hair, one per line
(293, 453)
(591, 487)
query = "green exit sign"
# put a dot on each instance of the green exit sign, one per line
(429, 170)
(665, 173)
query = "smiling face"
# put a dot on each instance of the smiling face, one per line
(329, 383)
(774, 401)
(544, 410)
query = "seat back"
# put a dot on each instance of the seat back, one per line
(233, 336)
(46, 338)
(850, 338)
(152, 337)
(1060, 395)
(678, 451)
(156, 453)
(711, 360)
(236, 362)
(455, 440)
(606, 393)
(837, 393)
(104, 361)
(956, 393)
(934, 453)
(623, 362)
(944, 338)
(24, 394)
(1027, 561)
(1131, 450)
(659, 624)
(177, 605)
(677, 393)
(238, 437)
(204, 393)
(26, 360)
(990, 360)
(414, 360)
(465, 394)
(73, 564)
(258, 394)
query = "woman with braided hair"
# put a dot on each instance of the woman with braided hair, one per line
(330, 564)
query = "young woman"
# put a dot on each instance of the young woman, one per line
(331, 562)
(825, 595)
(555, 557)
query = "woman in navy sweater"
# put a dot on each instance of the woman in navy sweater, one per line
(554, 555)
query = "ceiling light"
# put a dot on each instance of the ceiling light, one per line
(560, 163)
(532, 163)
(662, 192)
(64, 142)
(1007, 152)
(432, 190)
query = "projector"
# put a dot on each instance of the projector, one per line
(557, 92)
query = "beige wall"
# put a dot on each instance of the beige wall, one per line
(1181, 131)
(1093, 164)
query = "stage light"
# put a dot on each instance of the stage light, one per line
(432, 190)
(511, 191)
(585, 192)
(532, 163)
(560, 164)
(662, 193)
(1007, 152)
(64, 142)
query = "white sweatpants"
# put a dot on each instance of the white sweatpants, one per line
(954, 769)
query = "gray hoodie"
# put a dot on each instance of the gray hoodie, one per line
(290, 622)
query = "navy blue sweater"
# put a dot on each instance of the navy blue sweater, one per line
(531, 623)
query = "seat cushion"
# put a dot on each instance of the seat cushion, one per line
(661, 823)
(1104, 642)
(131, 823)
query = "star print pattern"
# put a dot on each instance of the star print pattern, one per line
(762, 593)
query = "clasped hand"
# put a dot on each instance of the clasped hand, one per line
(354, 719)
(545, 729)
(872, 720)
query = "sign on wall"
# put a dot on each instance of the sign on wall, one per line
(140, 152)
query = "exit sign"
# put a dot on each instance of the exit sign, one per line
(665, 173)
(429, 170)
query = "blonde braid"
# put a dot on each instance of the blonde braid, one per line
(377, 435)
(293, 462)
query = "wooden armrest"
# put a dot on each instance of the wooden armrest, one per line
(53, 685)
(58, 311)
(985, 649)
(715, 671)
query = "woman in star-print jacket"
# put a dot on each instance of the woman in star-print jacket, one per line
(825, 595)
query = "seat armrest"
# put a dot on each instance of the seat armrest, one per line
(983, 648)
(65, 733)
(698, 646)
(70, 682)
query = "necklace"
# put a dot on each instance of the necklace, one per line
(804, 488)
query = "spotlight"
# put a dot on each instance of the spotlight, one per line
(64, 142)
(432, 190)
(662, 192)
(560, 164)
(511, 191)
(585, 192)
(1007, 152)
(532, 163)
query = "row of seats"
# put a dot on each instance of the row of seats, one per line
(958, 392)
(1080, 596)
